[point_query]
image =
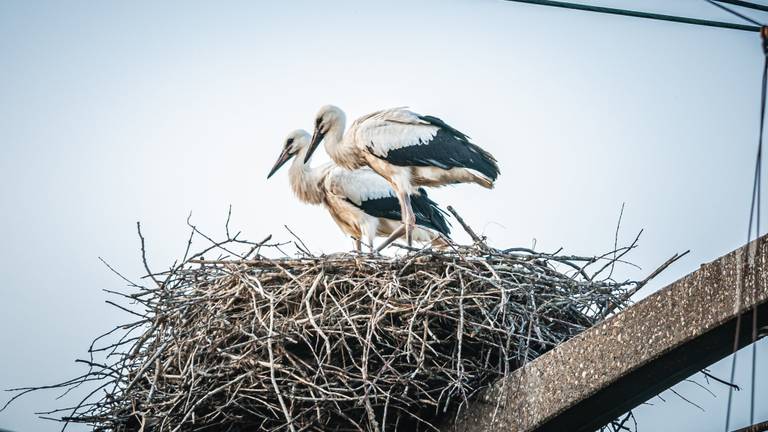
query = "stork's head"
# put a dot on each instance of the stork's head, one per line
(329, 117)
(293, 144)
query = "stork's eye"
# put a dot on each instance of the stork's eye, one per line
(289, 142)
(318, 121)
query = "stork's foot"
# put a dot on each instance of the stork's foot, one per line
(372, 249)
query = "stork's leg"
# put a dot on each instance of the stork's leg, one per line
(410, 225)
(358, 249)
(371, 240)
(392, 237)
(369, 229)
(409, 218)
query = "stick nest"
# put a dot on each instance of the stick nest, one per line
(335, 343)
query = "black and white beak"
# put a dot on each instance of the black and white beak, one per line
(285, 156)
(317, 138)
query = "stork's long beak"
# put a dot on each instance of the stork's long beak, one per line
(317, 137)
(285, 156)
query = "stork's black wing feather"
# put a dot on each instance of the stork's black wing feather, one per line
(428, 213)
(387, 208)
(449, 148)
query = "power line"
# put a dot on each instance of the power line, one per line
(745, 4)
(758, 181)
(638, 14)
(754, 216)
(733, 12)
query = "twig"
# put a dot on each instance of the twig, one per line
(144, 256)
(626, 296)
(721, 381)
(479, 241)
(303, 248)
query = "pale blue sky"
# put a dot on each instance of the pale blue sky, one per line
(113, 112)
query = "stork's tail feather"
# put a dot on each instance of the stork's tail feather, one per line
(485, 164)
(429, 214)
(476, 158)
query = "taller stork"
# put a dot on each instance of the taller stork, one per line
(360, 201)
(407, 149)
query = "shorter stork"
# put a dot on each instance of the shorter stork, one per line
(360, 201)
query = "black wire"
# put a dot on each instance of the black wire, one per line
(754, 214)
(745, 4)
(755, 209)
(754, 338)
(638, 14)
(733, 369)
(755, 206)
(754, 219)
(733, 12)
(758, 181)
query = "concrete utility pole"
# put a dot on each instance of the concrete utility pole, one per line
(611, 368)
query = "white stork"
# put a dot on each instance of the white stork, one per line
(407, 149)
(360, 201)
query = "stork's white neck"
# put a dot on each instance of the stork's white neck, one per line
(305, 180)
(342, 152)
